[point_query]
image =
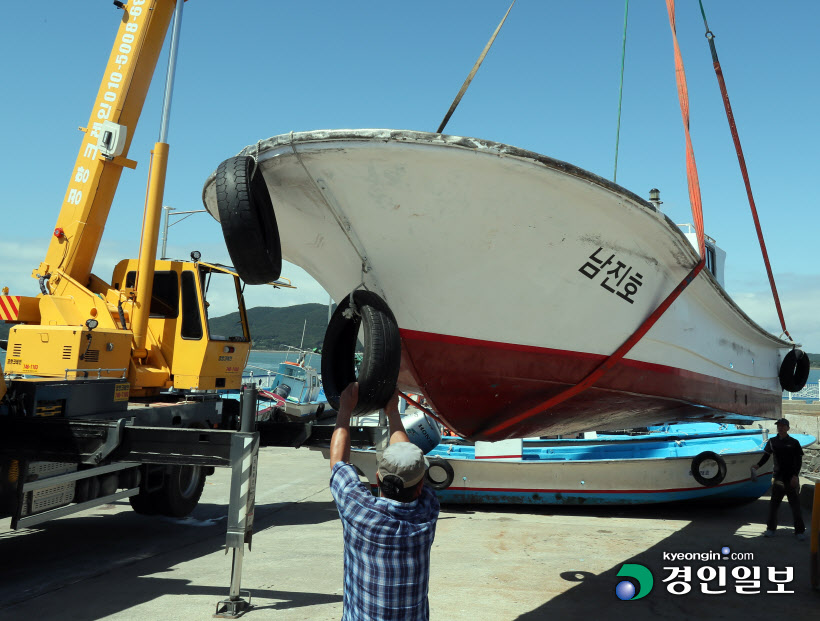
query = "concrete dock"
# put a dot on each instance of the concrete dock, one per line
(487, 563)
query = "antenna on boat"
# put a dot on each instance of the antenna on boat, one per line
(302, 344)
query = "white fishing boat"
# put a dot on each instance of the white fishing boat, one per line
(512, 276)
(677, 463)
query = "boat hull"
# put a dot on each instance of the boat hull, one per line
(512, 276)
(600, 482)
(647, 468)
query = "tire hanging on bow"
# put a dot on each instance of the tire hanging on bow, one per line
(248, 222)
(381, 358)
(794, 370)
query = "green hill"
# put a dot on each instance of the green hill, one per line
(273, 328)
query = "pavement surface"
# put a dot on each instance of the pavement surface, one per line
(493, 562)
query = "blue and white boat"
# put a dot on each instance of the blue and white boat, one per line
(685, 462)
(292, 392)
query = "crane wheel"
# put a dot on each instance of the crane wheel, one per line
(381, 359)
(181, 491)
(248, 222)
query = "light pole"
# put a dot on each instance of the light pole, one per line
(166, 225)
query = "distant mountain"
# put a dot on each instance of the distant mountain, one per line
(274, 328)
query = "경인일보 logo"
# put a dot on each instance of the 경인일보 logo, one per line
(638, 575)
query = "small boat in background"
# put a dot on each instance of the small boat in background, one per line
(292, 392)
(676, 462)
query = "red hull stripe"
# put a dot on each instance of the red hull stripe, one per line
(476, 385)
(533, 349)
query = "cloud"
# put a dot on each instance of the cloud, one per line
(799, 298)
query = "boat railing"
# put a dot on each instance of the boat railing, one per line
(687, 227)
(262, 380)
(808, 392)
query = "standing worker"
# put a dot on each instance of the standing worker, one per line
(788, 459)
(387, 540)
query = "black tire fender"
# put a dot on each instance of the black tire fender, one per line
(248, 222)
(379, 369)
(717, 478)
(449, 474)
(794, 370)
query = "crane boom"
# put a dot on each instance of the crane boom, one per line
(95, 177)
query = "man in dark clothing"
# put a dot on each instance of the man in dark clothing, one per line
(788, 459)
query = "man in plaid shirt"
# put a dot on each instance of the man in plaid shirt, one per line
(387, 540)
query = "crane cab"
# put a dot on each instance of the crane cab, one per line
(188, 349)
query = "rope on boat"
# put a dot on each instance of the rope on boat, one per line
(742, 161)
(472, 73)
(427, 411)
(697, 213)
(620, 95)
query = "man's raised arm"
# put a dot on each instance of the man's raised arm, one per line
(340, 440)
(397, 432)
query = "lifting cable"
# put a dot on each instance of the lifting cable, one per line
(472, 73)
(697, 213)
(742, 161)
(620, 96)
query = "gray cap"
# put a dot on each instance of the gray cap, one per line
(404, 460)
(783, 421)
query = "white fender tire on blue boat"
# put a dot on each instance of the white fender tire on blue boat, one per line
(794, 370)
(381, 359)
(248, 222)
(715, 479)
(436, 482)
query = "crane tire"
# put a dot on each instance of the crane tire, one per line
(717, 477)
(449, 474)
(181, 491)
(381, 360)
(248, 222)
(794, 370)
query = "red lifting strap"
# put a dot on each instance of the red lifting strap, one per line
(697, 212)
(742, 161)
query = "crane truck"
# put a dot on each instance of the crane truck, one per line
(112, 387)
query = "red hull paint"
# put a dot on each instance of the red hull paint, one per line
(476, 384)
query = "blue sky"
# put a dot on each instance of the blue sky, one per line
(251, 69)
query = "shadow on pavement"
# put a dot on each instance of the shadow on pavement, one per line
(710, 528)
(69, 551)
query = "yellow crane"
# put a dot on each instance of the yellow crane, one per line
(95, 366)
(151, 317)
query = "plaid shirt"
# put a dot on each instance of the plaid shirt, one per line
(387, 550)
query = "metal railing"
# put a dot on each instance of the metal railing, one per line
(809, 391)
